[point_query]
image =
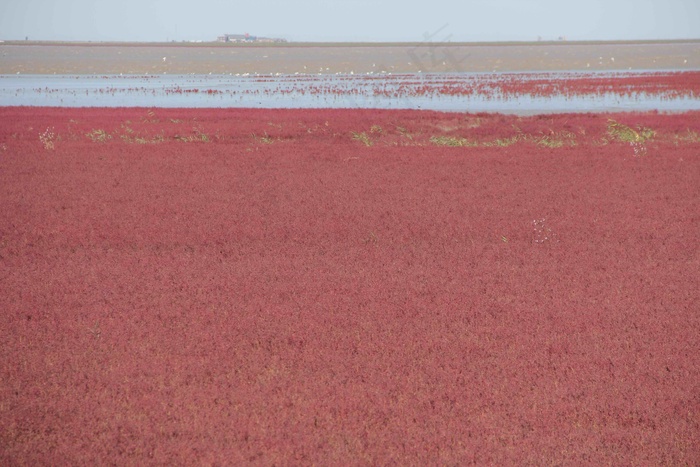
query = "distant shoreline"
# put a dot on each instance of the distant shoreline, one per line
(339, 44)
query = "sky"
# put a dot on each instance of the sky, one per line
(349, 20)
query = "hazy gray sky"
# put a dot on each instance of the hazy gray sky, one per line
(349, 20)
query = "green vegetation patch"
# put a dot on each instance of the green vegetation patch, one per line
(98, 136)
(452, 141)
(625, 134)
(362, 137)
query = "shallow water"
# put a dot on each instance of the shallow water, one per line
(463, 92)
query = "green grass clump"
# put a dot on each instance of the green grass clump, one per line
(452, 141)
(362, 137)
(264, 139)
(98, 136)
(196, 137)
(623, 133)
(404, 132)
(556, 140)
(689, 136)
(503, 142)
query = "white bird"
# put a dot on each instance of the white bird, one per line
(165, 58)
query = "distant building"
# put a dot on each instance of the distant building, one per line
(243, 38)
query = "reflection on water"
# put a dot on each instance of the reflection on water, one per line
(464, 92)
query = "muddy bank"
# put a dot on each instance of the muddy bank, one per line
(434, 57)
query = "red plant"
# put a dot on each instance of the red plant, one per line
(307, 299)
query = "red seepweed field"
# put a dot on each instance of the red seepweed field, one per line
(348, 287)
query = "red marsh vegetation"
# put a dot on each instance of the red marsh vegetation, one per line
(348, 287)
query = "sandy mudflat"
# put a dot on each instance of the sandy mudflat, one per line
(49, 58)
